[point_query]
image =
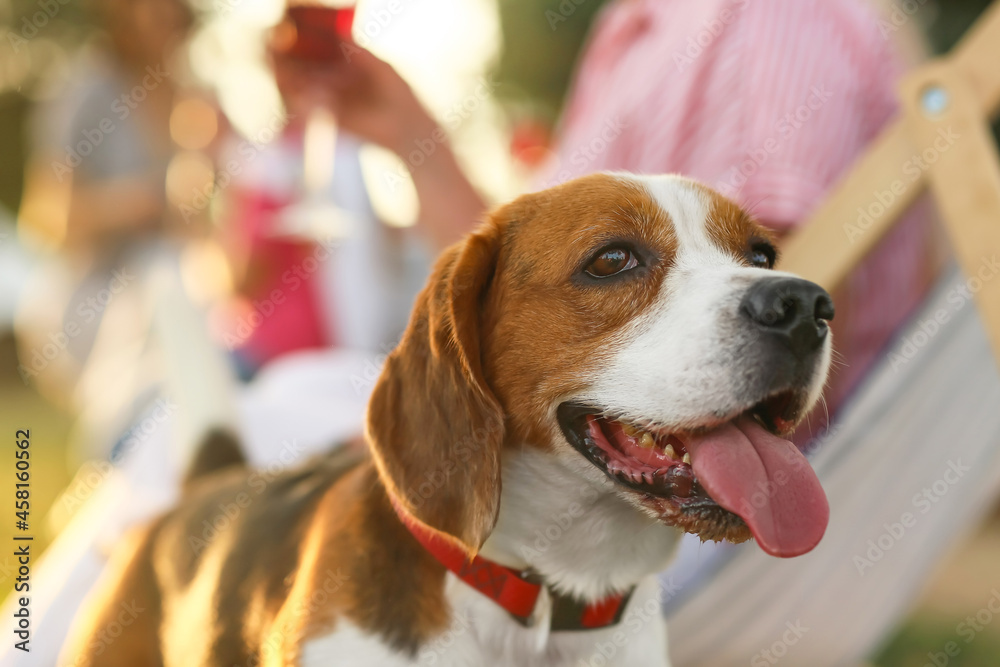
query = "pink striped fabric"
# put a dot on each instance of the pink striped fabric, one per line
(769, 101)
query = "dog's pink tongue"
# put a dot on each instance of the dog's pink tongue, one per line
(766, 481)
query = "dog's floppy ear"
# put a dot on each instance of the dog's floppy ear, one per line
(434, 425)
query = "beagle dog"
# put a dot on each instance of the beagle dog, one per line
(596, 370)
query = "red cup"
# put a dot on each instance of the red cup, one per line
(315, 32)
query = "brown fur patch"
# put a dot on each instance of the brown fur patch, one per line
(390, 586)
(732, 228)
(123, 628)
(546, 325)
(215, 571)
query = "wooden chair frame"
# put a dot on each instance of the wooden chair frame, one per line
(941, 141)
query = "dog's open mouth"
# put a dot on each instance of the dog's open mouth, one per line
(728, 480)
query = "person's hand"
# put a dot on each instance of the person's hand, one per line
(366, 95)
(371, 101)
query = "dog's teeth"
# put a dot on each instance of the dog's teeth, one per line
(648, 477)
(637, 477)
(687, 458)
(647, 441)
(669, 451)
(629, 430)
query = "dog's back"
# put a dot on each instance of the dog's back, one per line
(223, 559)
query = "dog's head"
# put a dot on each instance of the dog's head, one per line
(633, 329)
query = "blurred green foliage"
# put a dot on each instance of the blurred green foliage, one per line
(952, 19)
(35, 35)
(924, 638)
(541, 41)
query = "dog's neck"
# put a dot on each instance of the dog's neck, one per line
(581, 537)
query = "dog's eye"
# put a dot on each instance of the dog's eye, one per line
(762, 254)
(611, 261)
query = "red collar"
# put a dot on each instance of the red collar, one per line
(517, 592)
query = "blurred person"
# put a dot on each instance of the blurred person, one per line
(315, 266)
(96, 204)
(96, 187)
(372, 102)
(348, 286)
(97, 198)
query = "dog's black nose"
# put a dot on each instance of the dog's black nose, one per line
(791, 308)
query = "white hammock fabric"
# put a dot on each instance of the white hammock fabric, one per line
(930, 422)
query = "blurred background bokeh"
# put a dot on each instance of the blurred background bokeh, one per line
(495, 72)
